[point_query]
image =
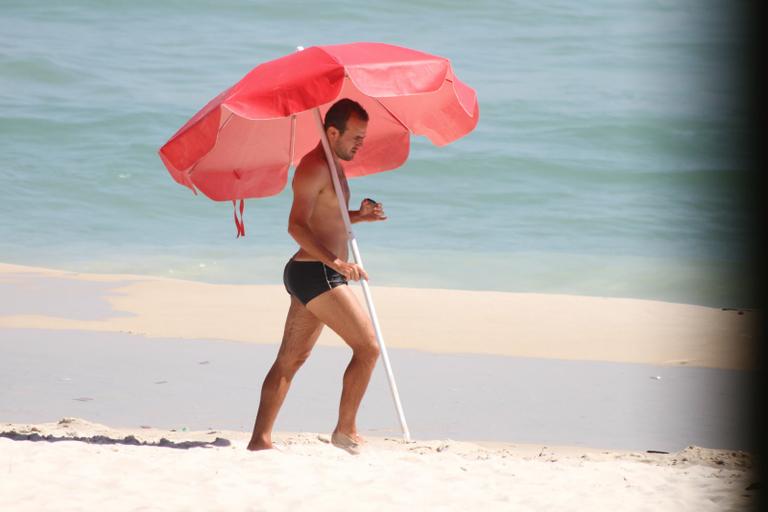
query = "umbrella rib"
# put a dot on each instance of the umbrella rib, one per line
(223, 125)
(292, 140)
(391, 113)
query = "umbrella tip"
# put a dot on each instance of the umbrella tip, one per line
(299, 48)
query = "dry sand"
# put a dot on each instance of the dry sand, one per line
(447, 321)
(309, 474)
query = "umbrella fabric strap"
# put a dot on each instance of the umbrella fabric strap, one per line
(239, 222)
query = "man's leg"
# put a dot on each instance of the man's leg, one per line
(302, 329)
(340, 310)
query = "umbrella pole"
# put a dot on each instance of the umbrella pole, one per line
(363, 282)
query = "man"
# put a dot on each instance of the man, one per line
(316, 278)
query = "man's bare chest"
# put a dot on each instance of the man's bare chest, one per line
(328, 193)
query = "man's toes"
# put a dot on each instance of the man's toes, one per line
(345, 442)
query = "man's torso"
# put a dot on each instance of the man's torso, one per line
(326, 222)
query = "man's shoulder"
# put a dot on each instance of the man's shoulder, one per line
(311, 174)
(311, 166)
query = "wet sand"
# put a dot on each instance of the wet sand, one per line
(130, 380)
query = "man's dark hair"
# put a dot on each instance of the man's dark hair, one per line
(340, 112)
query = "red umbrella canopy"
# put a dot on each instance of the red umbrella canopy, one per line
(242, 143)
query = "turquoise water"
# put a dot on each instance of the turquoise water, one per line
(606, 160)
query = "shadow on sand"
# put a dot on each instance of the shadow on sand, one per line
(127, 440)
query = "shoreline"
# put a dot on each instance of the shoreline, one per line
(274, 280)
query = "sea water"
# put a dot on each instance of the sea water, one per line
(606, 160)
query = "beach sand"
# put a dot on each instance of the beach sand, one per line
(307, 473)
(52, 322)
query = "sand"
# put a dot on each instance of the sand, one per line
(144, 472)
(131, 380)
(309, 474)
(443, 321)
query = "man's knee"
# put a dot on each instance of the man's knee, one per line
(368, 351)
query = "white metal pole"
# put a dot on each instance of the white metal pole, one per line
(363, 282)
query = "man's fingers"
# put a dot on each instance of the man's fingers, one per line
(354, 272)
(357, 272)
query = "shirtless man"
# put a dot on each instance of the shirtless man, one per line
(316, 278)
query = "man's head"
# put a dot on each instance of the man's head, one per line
(345, 125)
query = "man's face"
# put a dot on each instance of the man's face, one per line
(347, 143)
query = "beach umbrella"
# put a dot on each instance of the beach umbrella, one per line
(243, 142)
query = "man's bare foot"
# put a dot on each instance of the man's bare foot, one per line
(259, 444)
(352, 434)
(358, 438)
(346, 443)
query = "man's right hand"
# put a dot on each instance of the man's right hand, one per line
(351, 271)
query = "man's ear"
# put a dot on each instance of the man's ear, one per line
(332, 133)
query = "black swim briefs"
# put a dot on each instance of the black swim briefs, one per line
(305, 280)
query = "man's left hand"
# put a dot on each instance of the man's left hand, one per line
(371, 211)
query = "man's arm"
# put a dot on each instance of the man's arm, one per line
(369, 211)
(307, 184)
